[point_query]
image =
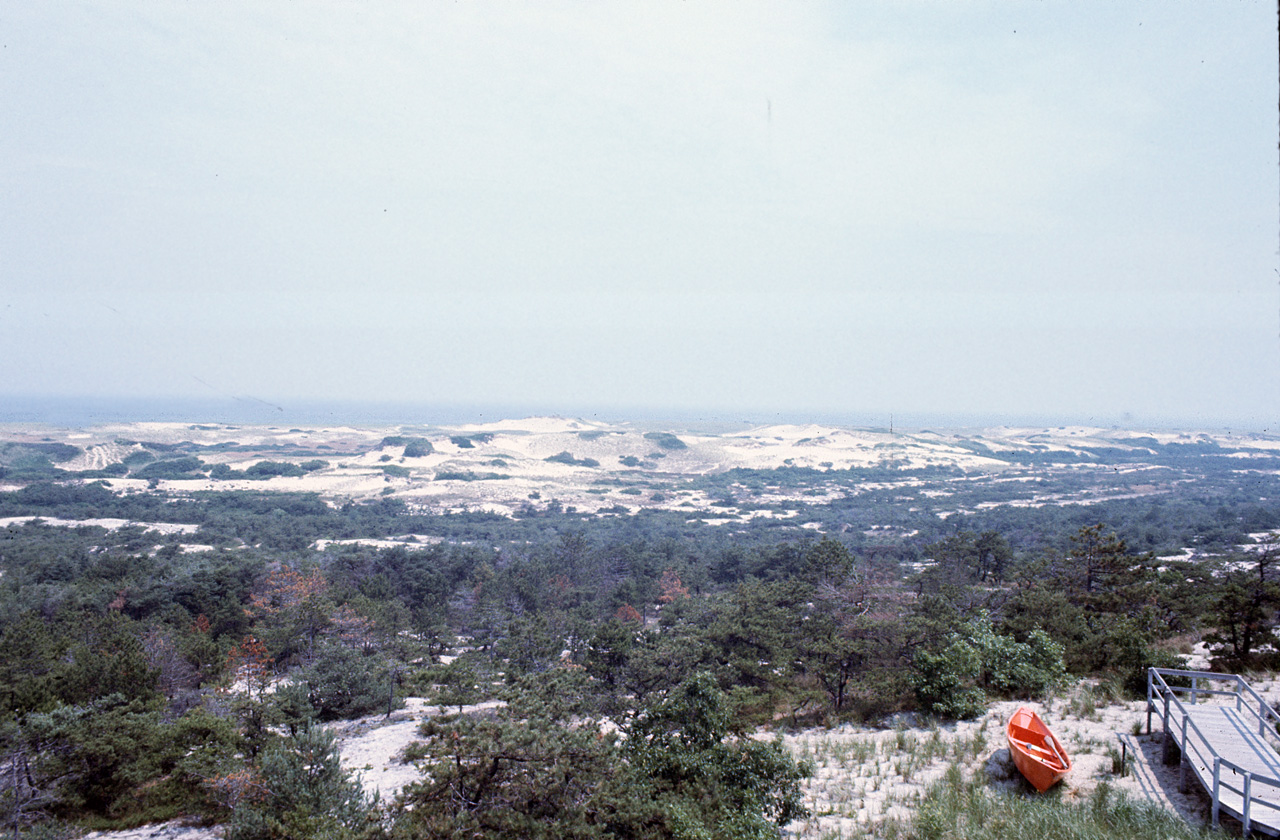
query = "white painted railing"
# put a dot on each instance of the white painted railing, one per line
(1158, 688)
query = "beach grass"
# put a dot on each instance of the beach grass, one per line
(958, 807)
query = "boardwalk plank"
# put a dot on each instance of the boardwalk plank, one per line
(1233, 735)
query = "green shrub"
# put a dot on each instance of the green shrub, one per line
(270, 469)
(138, 458)
(1130, 654)
(666, 440)
(343, 683)
(567, 458)
(198, 746)
(944, 681)
(175, 468)
(305, 794)
(417, 449)
(951, 681)
(94, 755)
(1011, 667)
(534, 769)
(468, 475)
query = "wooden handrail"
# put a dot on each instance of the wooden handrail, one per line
(1215, 675)
(1156, 685)
(1204, 675)
(1262, 704)
(1183, 709)
(1236, 678)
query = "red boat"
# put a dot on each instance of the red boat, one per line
(1037, 753)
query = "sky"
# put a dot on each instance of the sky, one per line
(994, 209)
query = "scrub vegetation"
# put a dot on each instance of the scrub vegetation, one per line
(643, 664)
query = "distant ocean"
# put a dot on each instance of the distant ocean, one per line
(79, 412)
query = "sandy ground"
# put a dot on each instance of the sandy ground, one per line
(159, 831)
(371, 747)
(108, 524)
(863, 776)
(866, 776)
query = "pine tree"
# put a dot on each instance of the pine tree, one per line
(299, 791)
(541, 767)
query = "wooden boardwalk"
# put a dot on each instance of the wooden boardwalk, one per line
(1233, 734)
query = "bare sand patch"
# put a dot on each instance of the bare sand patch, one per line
(108, 524)
(176, 830)
(864, 776)
(373, 747)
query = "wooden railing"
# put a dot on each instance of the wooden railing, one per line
(1191, 740)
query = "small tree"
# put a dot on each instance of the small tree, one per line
(527, 771)
(627, 614)
(92, 757)
(458, 684)
(671, 588)
(945, 681)
(299, 791)
(344, 683)
(250, 662)
(1244, 610)
(293, 609)
(1107, 579)
(701, 779)
(827, 562)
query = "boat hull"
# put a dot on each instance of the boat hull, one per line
(1037, 753)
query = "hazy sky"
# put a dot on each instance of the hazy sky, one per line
(1048, 208)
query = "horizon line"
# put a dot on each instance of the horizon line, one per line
(78, 410)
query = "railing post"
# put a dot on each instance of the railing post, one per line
(1262, 721)
(1150, 671)
(1248, 794)
(1183, 759)
(1166, 713)
(1217, 779)
(1195, 694)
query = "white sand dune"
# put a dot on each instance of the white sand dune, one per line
(502, 465)
(109, 524)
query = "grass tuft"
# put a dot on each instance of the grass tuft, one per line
(961, 809)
